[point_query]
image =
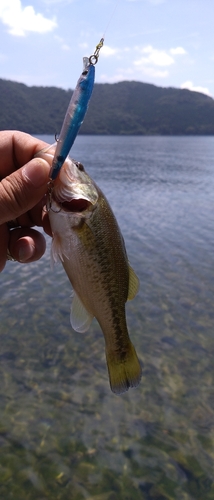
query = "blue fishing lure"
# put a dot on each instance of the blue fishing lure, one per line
(76, 111)
(74, 116)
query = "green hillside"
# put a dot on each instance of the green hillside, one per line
(120, 108)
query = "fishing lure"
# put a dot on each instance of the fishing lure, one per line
(76, 111)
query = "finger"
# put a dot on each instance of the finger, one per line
(36, 213)
(34, 216)
(4, 239)
(26, 244)
(23, 189)
(17, 149)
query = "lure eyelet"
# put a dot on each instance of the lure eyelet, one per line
(93, 59)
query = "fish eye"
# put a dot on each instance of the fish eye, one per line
(84, 72)
(80, 166)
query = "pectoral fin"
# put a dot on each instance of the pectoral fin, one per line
(80, 318)
(134, 284)
(56, 249)
(59, 248)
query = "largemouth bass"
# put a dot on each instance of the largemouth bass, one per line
(88, 241)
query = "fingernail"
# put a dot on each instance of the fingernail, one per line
(36, 172)
(25, 252)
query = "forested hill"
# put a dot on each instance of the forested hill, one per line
(120, 108)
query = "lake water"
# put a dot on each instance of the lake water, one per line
(63, 434)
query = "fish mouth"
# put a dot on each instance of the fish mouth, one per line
(75, 205)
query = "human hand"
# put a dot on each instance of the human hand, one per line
(22, 197)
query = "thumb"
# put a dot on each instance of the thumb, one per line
(23, 189)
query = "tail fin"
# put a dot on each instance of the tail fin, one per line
(124, 373)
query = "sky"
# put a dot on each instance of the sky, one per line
(168, 43)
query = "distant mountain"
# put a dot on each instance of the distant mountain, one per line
(123, 108)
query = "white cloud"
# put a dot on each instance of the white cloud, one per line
(130, 74)
(154, 57)
(108, 51)
(177, 51)
(118, 77)
(156, 73)
(195, 88)
(21, 20)
(153, 60)
(121, 74)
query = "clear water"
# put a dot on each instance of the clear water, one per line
(63, 434)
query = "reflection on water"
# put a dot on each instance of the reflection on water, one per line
(63, 434)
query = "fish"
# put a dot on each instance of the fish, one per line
(74, 116)
(88, 242)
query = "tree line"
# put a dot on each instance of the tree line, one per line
(124, 108)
